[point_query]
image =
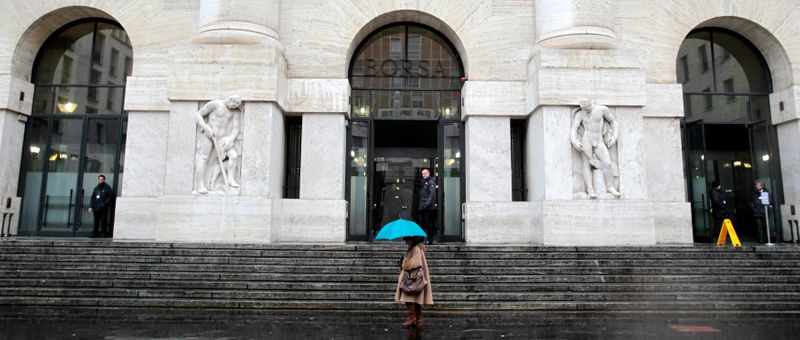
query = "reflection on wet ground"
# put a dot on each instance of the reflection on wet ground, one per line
(171, 324)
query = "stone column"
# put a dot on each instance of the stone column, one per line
(488, 152)
(788, 141)
(12, 130)
(237, 22)
(582, 24)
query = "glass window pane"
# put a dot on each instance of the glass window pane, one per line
(357, 162)
(102, 137)
(717, 108)
(34, 156)
(451, 179)
(390, 61)
(112, 48)
(65, 58)
(737, 62)
(78, 100)
(62, 173)
(693, 63)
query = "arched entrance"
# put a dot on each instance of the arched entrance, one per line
(77, 126)
(406, 81)
(728, 135)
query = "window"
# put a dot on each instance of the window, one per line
(293, 131)
(703, 54)
(98, 49)
(66, 70)
(112, 65)
(728, 87)
(519, 192)
(685, 69)
(708, 100)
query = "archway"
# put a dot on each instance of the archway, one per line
(728, 135)
(406, 81)
(76, 131)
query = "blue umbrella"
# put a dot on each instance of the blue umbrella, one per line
(399, 228)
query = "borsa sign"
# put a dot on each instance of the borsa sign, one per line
(405, 68)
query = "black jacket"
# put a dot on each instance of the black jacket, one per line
(102, 196)
(719, 208)
(427, 195)
(755, 204)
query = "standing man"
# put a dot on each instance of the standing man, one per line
(100, 204)
(595, 130)
(217, 145)
(719, 208)
(758, 208)
(427, 204)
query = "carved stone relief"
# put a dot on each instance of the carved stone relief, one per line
(219, 146)
(594, 133)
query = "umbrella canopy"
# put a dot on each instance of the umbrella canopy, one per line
(399, 228)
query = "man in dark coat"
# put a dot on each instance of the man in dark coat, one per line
(427, 205)
(102, 197)
(719, 208)
(758, 208)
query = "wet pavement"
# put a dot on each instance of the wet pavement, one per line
(137, 324)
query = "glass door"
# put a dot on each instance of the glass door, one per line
(450, 179)
(762, 171)
(63, 159)
(397, 182)
(697, 181)
(62, 200)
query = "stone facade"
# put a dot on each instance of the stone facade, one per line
(529, 60)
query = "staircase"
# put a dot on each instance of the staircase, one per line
(362, 277)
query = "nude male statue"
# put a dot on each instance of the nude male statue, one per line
(219, 139)
(594, 142)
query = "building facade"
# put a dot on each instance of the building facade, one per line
(554, 122)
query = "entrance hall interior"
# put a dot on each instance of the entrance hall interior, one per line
(402, 150)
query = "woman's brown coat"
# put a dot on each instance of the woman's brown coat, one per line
(414, 259)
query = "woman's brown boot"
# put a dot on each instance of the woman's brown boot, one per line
(418, 315)
(412, 320)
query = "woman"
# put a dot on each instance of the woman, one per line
(413, 259)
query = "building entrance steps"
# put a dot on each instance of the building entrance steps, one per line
(78, 273)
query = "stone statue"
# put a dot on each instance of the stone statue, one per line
(594, 131)
(218, 145)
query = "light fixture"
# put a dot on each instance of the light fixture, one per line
(35, 149)
(352, 153)
(68, 107)
(450, 161)
(765, 158)
(737, 163)
(702, 157)
(748, 165)
(63, 156)
(458, 154)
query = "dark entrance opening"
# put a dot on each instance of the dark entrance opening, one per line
(402, 150)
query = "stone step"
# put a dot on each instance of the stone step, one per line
(370, 252)
(394, 262)
(730, 276)
(767, 269)
(511, 297)
(387, 304)
(34, 284)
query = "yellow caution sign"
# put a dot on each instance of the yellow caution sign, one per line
(727, 228)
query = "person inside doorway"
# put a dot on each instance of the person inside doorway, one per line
(99, 205)
(719, 208)
(759, 209)
(427, 205)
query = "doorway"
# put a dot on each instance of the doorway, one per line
(732, 155)
(402, 149)
(64, 157)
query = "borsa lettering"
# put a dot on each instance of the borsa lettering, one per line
(405, 68)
